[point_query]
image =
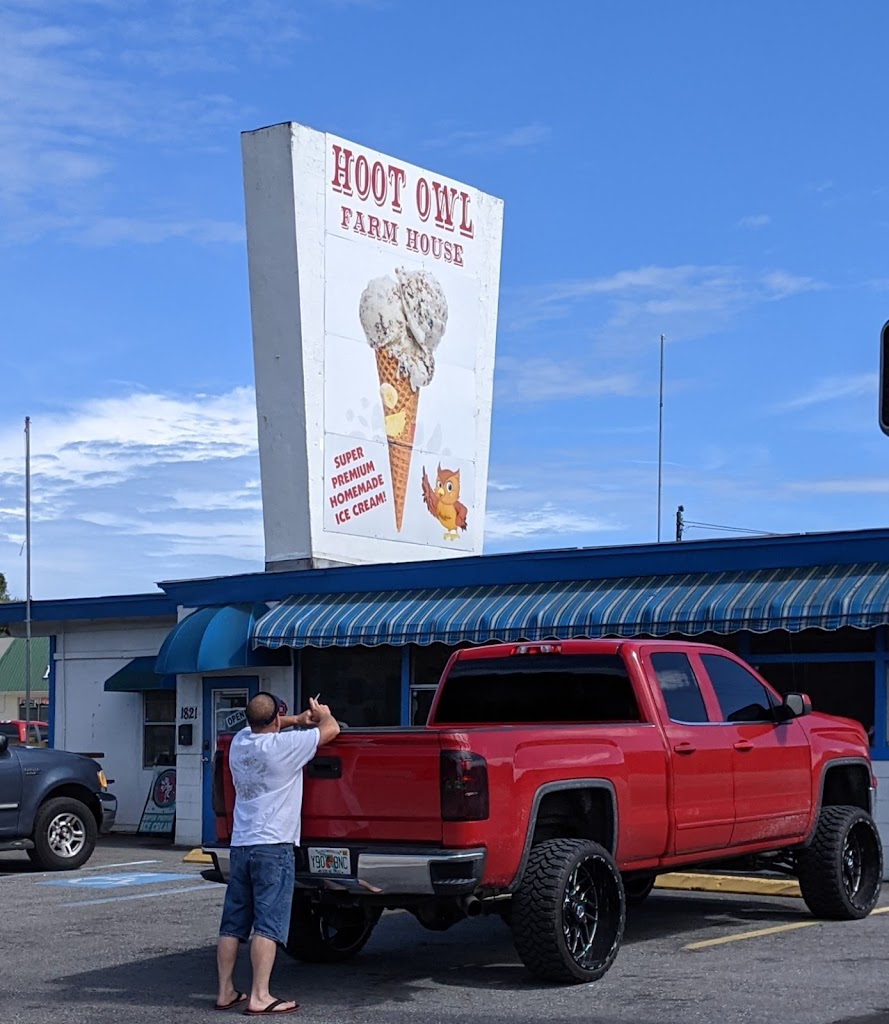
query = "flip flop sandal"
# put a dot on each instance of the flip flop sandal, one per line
(271, 1010)
(240, 997)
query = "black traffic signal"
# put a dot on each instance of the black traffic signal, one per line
(884, 378)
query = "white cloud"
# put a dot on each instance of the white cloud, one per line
(547, 520)
(636, 306)
(542, 380)
(81, 94)
(832, 389)
(113, 230)
(850, 486)
(178, 473)
(755, 220)
(781, 285)
(526, 136)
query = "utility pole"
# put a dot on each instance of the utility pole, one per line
(660, 441)
(679, 522)
(27, 578)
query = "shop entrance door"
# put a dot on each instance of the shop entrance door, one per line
(224, 703)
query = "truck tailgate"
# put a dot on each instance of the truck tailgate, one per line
(380, 785)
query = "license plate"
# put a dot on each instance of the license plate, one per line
(325, 860)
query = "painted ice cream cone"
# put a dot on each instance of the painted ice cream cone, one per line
(400, 403)
(403, 322)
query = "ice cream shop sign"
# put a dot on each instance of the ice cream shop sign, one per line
(373, 289)
(442, 203)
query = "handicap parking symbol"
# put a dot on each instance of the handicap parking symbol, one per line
(118, 881)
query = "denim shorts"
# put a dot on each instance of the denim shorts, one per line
(259, 893)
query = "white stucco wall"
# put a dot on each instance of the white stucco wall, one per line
(87, 719)
(9, 705)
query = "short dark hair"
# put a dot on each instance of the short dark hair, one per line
(262, 710)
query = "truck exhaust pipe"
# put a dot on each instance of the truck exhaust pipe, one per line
(471, 906)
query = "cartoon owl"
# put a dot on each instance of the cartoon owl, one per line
(443, 501)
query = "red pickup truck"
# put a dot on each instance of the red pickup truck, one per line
(554, 781)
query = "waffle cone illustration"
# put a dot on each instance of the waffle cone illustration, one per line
(403, 321)
(401, 424)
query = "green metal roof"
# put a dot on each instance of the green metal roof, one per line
(12, 665)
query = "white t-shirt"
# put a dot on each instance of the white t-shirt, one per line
(266, 769)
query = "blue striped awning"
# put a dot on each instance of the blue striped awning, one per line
(212, 638)
(793, 599)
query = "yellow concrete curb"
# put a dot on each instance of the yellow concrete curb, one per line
(743, 884)
(197, 857)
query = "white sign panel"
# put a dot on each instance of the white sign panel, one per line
(374, 299)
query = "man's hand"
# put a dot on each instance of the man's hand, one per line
(303, 720)
(328, 727)
(318, 711)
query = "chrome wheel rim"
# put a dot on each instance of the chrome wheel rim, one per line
(580, 915)
(66, 835)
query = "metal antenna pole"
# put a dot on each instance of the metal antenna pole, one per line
(27, 578)
(660, 442)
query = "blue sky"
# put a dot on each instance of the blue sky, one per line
(717, 173)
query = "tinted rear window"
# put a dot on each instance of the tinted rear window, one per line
(526, 688)
(9, 729)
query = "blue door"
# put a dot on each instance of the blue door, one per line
(223, 714)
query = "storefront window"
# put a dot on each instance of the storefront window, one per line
(159, 729)
(362, 685)
(813, 641)
(427, 664)
(837, 688)
(727, 641)
(421, 703)
(39, 710)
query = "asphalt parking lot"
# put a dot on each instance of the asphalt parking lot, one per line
(131, 938)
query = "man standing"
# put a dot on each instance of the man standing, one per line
(266, 766)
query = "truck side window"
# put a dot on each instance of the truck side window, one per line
(741, 696)
(682, 695)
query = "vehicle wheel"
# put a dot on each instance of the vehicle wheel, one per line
(328, 934)
(840, 872)
(64, 835)
(638, 886)
(568, 912)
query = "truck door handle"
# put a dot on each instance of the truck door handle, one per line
(684, 748)
(743, 746)
(325, 768)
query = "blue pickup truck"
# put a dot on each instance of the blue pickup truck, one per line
(53, 804)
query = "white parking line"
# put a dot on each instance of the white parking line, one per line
(123, 864)
(93, 867)
(140, 895)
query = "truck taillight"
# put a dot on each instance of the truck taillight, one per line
(464, 786)
(538, 649)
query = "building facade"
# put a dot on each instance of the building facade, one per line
(152, 681)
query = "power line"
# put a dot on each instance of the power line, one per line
(682, 524)
(732, 529)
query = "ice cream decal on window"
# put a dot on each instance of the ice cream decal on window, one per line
(404, 321)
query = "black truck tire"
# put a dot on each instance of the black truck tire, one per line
(840, 872)
(568, 912)
(638, 886)
(64, 835)
(326, 933)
